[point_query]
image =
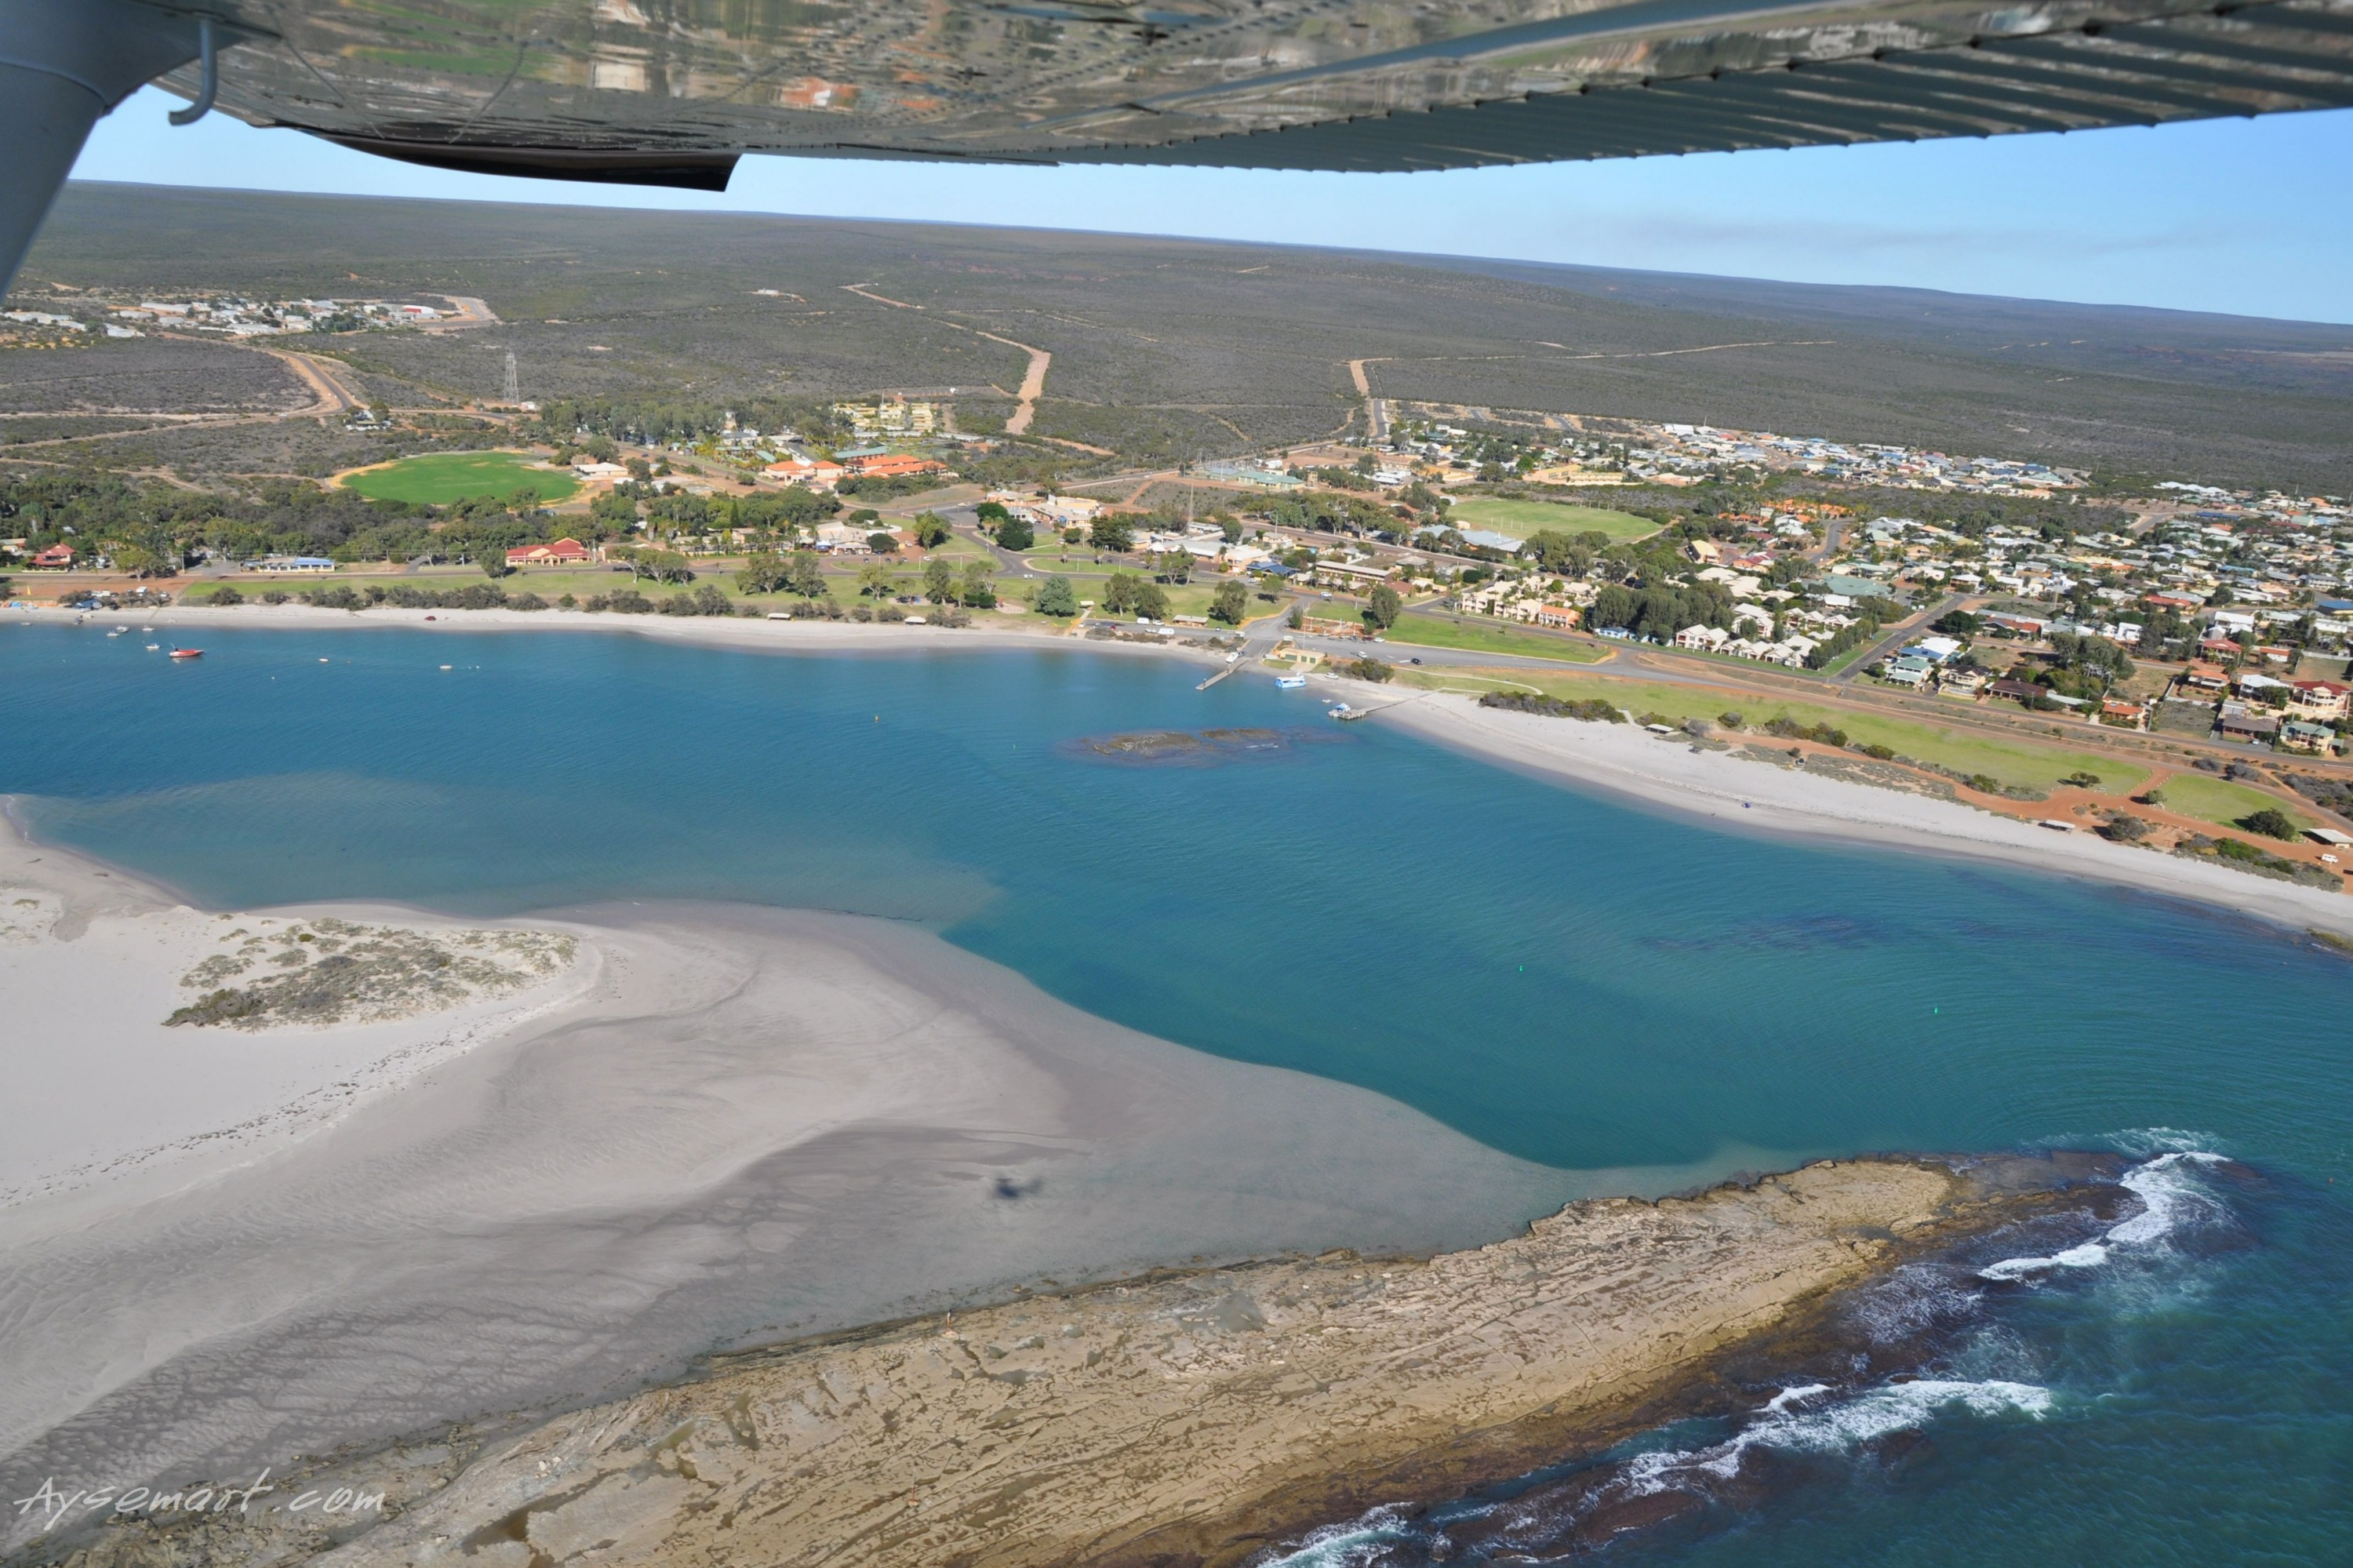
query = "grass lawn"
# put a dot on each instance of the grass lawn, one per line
(1527, 516)
(1445, 678)
(1431, 632)
(2218, 801)
(2020, 762)
(439, 478)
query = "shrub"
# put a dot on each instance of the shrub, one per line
(224, 596)
(2270, 822)
(276, 596)
(1592, 710)
(1732, 719)
(1791, 729)
(1872, 748)
(338, 598)
(526, 602)
(1367, 669)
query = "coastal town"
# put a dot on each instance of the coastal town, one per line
(1576, 557)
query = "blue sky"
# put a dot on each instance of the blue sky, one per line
(2245, 217)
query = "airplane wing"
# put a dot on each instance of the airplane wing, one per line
(671, 91)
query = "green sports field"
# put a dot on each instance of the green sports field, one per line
(1525, 517)
(439, 478)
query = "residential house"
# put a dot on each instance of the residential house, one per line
(2243, 725)
(2298, 736)
(565, 552)
(2319, 701)
(1908, 671)
(56, 558)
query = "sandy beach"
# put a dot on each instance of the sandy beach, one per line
(104, 1092)
(1744, 795)
(735, 1124)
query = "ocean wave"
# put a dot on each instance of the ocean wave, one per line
(2171, 1202)
(1804, 1421)
(1358, 1543)
(2145, 1143)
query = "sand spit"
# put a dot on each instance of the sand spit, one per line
(1738, 792)
(743, 1125)
(1182, 1419)
(146, 1038)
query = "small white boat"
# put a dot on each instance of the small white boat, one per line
(1289, 683)
(152, 647)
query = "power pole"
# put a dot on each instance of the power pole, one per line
(514, 388)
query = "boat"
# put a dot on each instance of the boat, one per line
(187, 653)
(1290, 682)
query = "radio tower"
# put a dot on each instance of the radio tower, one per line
(515, 391)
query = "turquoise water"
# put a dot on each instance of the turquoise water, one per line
(1562, 978)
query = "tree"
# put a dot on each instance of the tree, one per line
(875, 581)
(882, 543)
(992, 514)
(1173, 565)
(135, 560)
(1383, 609)
(1151, 600)
(931, 530)
(939, 580)
(764, 572)
(1015, 534)
(1231, 602)
(1368, 669)
(1056, 596)
(495, 565)
(1294, 617)
(1119, 593)
(976, 591)
(806, 575)
(1111, 534)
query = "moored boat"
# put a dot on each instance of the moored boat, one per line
(187, 653)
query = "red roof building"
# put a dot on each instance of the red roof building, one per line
(893, 465)
(56, 558)
(562, 553)
(2319, 699)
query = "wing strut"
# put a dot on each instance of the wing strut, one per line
(63, 63)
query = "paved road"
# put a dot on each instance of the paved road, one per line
(1902, 631)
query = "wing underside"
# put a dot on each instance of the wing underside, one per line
(672, 93)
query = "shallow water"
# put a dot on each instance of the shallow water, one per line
(1561, 977)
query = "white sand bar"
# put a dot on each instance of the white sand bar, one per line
(1630, 763)
(742, 1124)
